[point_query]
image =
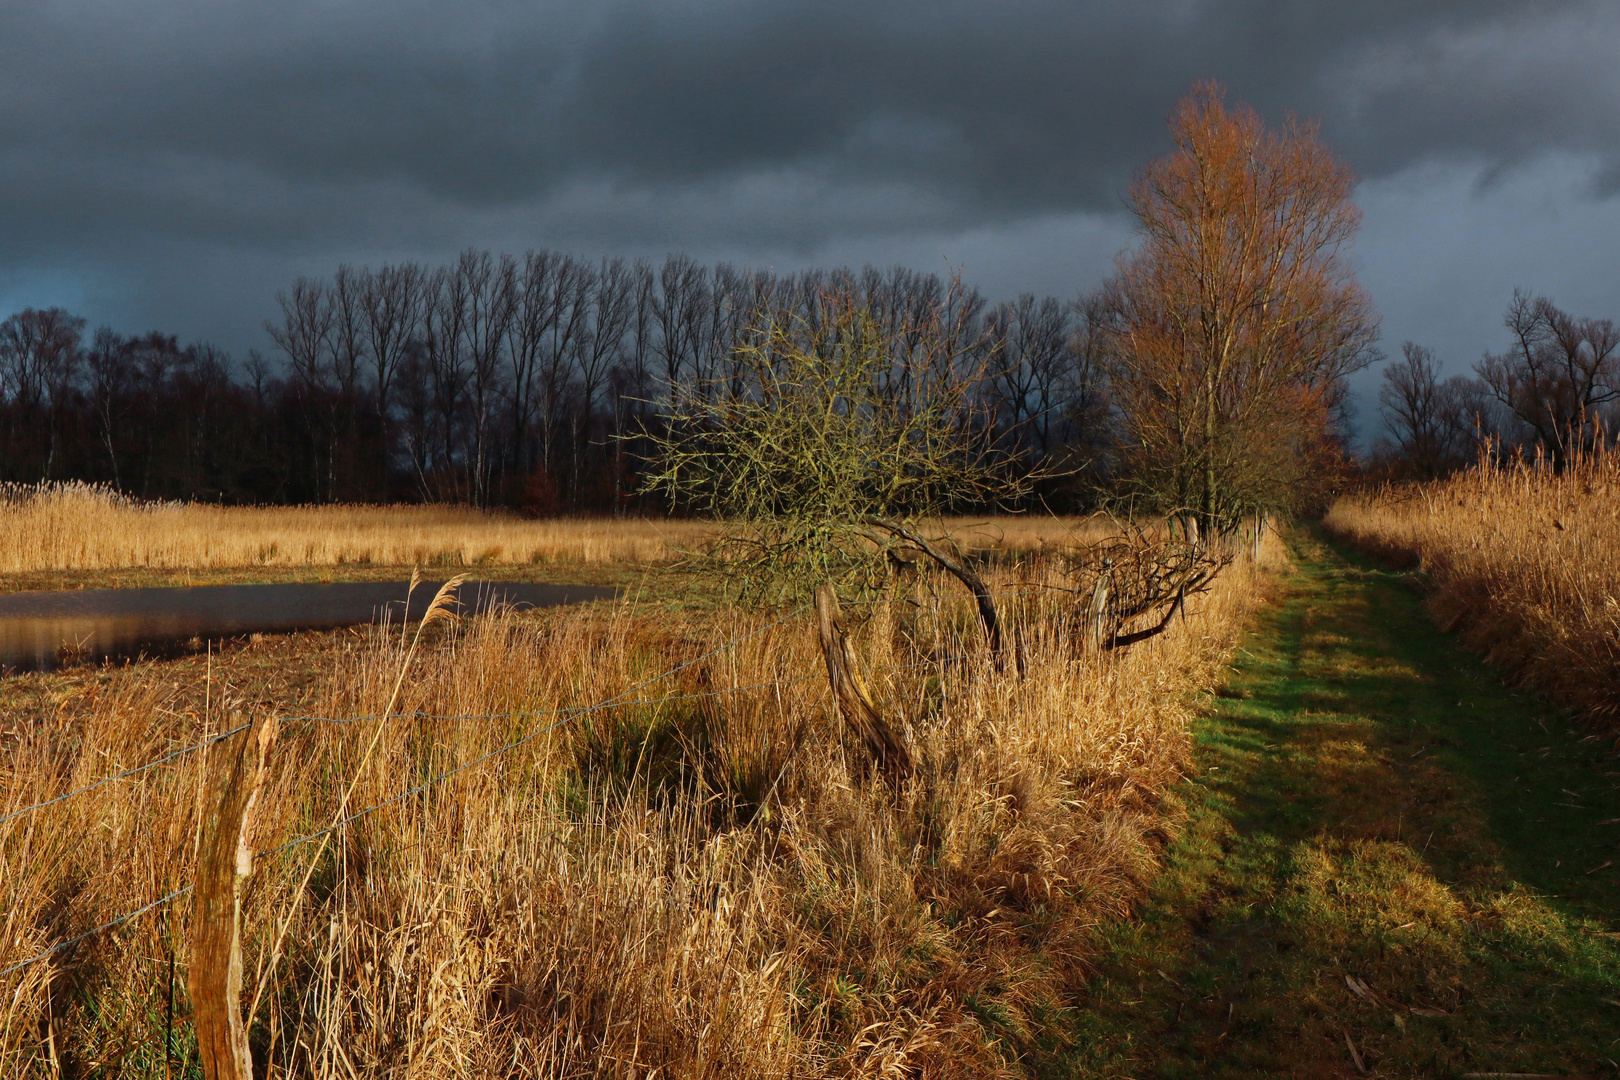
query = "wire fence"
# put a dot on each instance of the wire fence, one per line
(418, 714)
(566, 714)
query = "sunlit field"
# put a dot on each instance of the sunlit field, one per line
(1523, 561)
(579, 865)
(65, 527)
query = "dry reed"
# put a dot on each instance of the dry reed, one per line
(672, 886)
(1525, 562)
(75, 526)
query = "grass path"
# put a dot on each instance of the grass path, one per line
(1373, 806)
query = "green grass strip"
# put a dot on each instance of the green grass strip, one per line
(1385, 850)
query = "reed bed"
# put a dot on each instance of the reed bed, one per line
(704, 879)
(1523, 561)
(74, 526)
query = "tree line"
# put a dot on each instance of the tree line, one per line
(1555, 390)
(531, 382)
(1206, 378)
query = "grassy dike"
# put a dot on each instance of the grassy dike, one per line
(1391, 866)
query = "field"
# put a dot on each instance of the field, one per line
(75, 528)
(620, 840)
(1525, 563)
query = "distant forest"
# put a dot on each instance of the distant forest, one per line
(532, 382)
(497, 381)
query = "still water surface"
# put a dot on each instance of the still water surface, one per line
(41, 630)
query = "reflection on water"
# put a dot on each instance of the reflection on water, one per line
(39, 630)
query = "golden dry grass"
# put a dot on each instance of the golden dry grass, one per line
(79, 527)
(1525, 562)
(72, 526)
(696, 887)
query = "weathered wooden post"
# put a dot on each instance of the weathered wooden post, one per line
(851, 694)
(1097, 614)
(224, 860)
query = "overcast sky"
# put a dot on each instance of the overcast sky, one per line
(171, 165)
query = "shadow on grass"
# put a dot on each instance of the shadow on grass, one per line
(1391, 864)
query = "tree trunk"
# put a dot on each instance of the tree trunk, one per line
(886, 744)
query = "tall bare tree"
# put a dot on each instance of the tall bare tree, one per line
(39, 357)
(391, 302)
(599, 350)
(533, 316)
(1236, 318)
(304, 335)
(110, 384)
(1436, 423)
(682, 301)
(1031, 369)
(444, 327)
(1560, 377)
(488, 288)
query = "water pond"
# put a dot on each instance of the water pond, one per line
(40, 631)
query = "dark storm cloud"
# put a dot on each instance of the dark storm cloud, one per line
(299, 123)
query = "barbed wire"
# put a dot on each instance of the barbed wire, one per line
(108, 925)
(165, 759)
(418, 714)
(567, 713)
(617, 699)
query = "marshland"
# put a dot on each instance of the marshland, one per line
(576, 860)
(933, 688)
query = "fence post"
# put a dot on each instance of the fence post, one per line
(224, 859)
(1098, 613)
(853, 700)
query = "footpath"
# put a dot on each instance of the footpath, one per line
(1391, 866)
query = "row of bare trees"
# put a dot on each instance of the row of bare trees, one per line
(1206, 378)
(1555, 389)
(525, 381)
(502, 379)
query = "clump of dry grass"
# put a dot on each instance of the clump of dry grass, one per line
(704, 878)
(74, 526)
(1523, 560)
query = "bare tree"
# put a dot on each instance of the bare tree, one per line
(682, 301)
(305, 331)
(1031, 369)
(39, 356)
(1237, 318)
(1560, 376)
(391, 302)
(598, 351)
(574, 286)
(304, 336)
(1412, 401)
(488, 290)
(534, 315)
(110, 385)
(443, 340)
(347, 295)
(822, 462)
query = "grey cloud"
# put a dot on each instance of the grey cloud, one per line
(269, 120)
(172, 163)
